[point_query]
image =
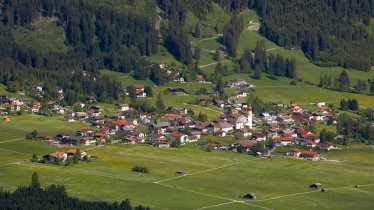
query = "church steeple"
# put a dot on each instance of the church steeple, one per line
(249, 117)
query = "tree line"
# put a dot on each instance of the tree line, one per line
(274, 65)
(54, 197)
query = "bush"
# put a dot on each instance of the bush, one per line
(293, 82)
(140, 169)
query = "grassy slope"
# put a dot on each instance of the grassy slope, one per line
(44, 35)
(139, 6)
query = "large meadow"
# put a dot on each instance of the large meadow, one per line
(212, 180)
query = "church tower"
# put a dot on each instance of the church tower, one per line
(249, 117)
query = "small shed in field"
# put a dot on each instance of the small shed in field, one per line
(251, 196)
(315, 186)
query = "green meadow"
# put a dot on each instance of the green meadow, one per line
(44, 34)
(213, 180)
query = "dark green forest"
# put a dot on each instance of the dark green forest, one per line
(330, 33)
(54, 197)
(100, 38)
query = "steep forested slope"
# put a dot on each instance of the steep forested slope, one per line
(98, 35)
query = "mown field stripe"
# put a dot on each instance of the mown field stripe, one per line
(208, 170)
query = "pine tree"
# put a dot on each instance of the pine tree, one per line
(217, 56)
(160, 106)
(219, 70)
(35, 181)
(197, 53)
(257, 73)
(343, 80)
(197, 32)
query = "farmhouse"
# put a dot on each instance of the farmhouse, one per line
(282, 141)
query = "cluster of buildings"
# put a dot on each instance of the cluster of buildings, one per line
(287, 128)
(9, 105)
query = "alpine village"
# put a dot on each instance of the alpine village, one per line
(186, 104)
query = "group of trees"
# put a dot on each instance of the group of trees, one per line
(55, 197)
(342, 83)
(32, 135)
(175, 34)
(350, 104)
(231, 34)
(355, 129)
(270, 64)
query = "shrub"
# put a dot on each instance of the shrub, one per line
(140, 169)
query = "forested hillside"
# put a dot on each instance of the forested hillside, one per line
(100, 37)
(120, 35)
(329, 32)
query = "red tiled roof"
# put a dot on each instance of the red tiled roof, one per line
(283, 139)
(245, 143)
(295, 150)
(101, 135)
(85, 130)
(138, 86)
(309, 153)
(173, 115)
(177, 134)
(73, 151)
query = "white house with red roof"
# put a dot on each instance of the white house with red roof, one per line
(282, 141)
(139, 91)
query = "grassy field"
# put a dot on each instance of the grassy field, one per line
(138, 6)
(213, 179)
(44, 34)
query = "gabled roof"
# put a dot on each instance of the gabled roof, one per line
(278, 138)
(172, 115)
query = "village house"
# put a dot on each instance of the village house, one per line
(282, 141)
(176, 91)
(200, 78)
(240, 94)
(85, 132)
(259, 136)
(140, 91)
(328, 146)
(242, 146)
(162, 143)
(219, 103)
(304, 154)
(57, 155)
(123, 107)
(320, 104)
(71, 153)
(91, 99)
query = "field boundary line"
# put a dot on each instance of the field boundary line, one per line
(15, 163)
(214, 63)
(220, 204)
(308, 192)
(86, 172)
(196, 192)
(3, 142)
(208, 170)
(8, 150)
